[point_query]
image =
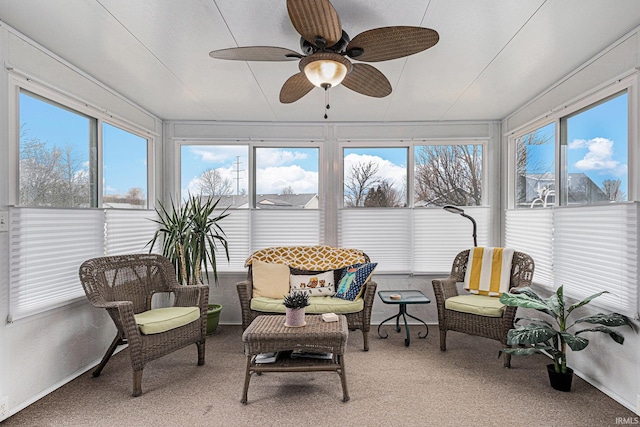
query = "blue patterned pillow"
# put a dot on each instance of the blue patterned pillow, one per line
(353, 280)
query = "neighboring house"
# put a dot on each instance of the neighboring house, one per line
(271, 201)
(539, 190)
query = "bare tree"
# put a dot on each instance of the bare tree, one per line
(51, 176)
(611, 188)
(384, 195)
(73, 185)
(135, 196)
(449, 174)
(361, 178)
(287, 190)
(211, 183)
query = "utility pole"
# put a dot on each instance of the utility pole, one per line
(238, 178)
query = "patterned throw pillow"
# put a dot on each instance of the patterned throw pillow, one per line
(353, 279)
(316, 284)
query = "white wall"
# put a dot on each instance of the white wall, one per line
(612, 368)
(40, 353)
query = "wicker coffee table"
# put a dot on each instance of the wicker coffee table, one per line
(267, 334)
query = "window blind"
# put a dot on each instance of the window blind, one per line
(531, 231)
(596, 249)
(129, 231)
(438, 236)
(383, 234)
(280, 227)
(237, 231)
(46, 249)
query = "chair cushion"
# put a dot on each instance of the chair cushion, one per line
(270, 280)
(481, 305)
(160, 320)
(317, 305)
(488, 271)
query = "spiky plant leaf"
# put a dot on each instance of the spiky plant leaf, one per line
(574, 342)
(585, 301)
(524, 300)
(611, 319)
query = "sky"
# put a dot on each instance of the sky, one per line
(597, 146)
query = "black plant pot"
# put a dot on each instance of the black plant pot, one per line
(560, 381)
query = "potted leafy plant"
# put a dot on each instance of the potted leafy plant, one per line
(295, 303)
(191, 234)
(541, 335)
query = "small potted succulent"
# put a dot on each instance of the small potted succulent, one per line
(295, 303)
(536, 335)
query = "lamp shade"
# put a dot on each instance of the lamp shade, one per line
(325, 69)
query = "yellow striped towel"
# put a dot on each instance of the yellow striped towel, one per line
(488, 271)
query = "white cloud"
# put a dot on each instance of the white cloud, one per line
(275, 179)
(226, 173)
(599, 156)
(278, 157)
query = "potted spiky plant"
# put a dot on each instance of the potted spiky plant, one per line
(542, 336)
(191, 235)
(295, 303)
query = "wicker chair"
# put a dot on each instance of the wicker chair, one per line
(299, 260)
(124, 286)
(495, 328)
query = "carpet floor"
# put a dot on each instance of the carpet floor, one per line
(390, 385)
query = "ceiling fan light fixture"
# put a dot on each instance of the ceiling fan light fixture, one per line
(325, 69)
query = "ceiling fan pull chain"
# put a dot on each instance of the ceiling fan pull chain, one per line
(326, 101)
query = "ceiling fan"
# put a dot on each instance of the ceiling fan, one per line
(326, 46)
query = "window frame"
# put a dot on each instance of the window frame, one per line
(100, 115)
(559, 115)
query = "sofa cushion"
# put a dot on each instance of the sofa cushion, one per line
(482, 305)
(164, 319)
(353, 279)
(317, 305)
(270, 280)
(315, 284)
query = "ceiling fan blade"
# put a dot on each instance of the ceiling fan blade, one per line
(383, 44)
(367, 80)
(295, 88)
(315, 18)
(256, 53)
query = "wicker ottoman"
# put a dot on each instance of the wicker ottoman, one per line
(267, 334)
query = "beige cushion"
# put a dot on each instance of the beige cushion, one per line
(317, 305)
(270, 280)
(164, 319)
(475, 304)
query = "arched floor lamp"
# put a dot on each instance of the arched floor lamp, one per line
(457, 210)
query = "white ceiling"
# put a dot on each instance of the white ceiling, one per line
(493, 55)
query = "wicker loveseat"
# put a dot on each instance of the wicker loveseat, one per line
(306, 259)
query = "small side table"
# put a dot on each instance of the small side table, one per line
(406, 297)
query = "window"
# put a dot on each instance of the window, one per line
(448, 175)
(58, 149)
(219, 171)
(56, 223)
(124, 177)
(535, 168)
(595, 153)
(585, 241)
(375, 177)
(286, 178)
